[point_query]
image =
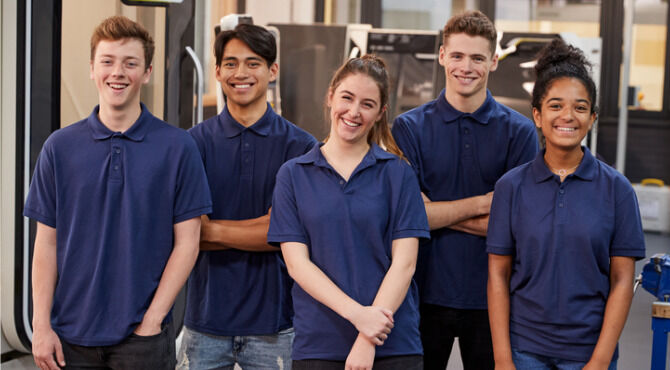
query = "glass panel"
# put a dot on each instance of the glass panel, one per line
(80, 17)
(549, 16)
(422, 14)
(647, 70)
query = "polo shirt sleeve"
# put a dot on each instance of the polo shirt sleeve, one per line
(285, 224)
(41, 201)
(628, 238)
(499, 238)
(525, 145)
(410, 216)
(404, 138)
(192, 197)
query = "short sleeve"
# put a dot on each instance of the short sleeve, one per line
(628, 238)
(41, 200)
(405, 141)
(499, 237)
(192, 197)
(285, 224)
(410, 218)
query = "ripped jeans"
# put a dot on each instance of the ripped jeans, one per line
(205, 351)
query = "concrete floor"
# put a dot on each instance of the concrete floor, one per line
(634, 346)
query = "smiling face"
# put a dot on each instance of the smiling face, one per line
(354, 108)
(467, 61)
(566, 114)
(119, 72)
(244, 76)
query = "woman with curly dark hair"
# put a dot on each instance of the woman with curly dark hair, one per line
(564, 234)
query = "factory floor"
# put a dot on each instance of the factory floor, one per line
(634, 346)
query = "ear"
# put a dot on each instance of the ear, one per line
(217, 75)
(494, 63)
(274, 70)
(537, 118)
(442, 56)
(147, 74)
(594, 116)
(382, 112)
(91, 74)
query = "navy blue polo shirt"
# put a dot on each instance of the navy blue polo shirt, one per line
(233, 292)
(459, 155)
(348, 227)
(113, 198)
(562, 236)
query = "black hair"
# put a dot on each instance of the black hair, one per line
(257, 38)
(557, 60)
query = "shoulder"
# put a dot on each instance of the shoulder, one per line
(294, 131)
(512, 117)
(67, 135)
(613, 178)
(417, 116)
(514, 177)
(203, 128)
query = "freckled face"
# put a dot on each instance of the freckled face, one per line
(119, 71)
(565, 116)
(355, 106)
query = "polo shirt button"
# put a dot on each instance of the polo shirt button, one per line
(118, 151)
(467, 146)
(246, 160)
(467, 131)
(560, 205)
(562, 191)
(116, 168)
(341, 182)
(246, 144)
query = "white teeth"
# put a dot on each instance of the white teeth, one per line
(350, 124)
(117, 86)
(242, 86)
(566, 129)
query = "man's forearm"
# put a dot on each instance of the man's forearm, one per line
(248, 235)
(178, 267)
(44, 274)
(447, 213)
(477, 225)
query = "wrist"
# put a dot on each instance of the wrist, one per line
(352, 311)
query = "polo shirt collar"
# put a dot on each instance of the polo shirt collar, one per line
(585, 171)
(374, 155)
(450, 114)
(232, 128)
(136, 132)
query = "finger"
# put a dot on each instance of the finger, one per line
(51, 364)
(60, 357)
(377, 341)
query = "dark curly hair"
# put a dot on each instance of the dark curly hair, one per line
(558, 60)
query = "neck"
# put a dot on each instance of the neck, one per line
(345, 151)
(465, 104)
(249, 114)
(119, 120)
(558, 159)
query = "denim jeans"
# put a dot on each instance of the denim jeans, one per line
(205, 351)
(385, 363)
(135, 352)
(530, 361)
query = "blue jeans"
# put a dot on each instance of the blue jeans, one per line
(530, 361)
(205, 351)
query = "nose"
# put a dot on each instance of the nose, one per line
(241, 71)
(567, 114)
(117, 69)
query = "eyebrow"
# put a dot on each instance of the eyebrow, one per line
(247, 59)
(578, 100)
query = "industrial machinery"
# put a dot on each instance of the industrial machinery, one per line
(655, 279)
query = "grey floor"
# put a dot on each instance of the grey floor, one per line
(634, 346)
